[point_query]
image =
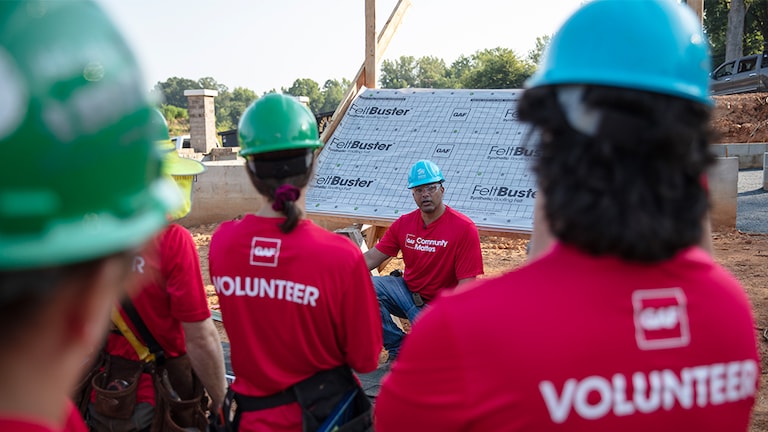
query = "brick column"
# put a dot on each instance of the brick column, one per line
(202, 119)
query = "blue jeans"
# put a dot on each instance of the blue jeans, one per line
(394, 298)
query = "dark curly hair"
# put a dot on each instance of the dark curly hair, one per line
(269, 171)
(633, 188)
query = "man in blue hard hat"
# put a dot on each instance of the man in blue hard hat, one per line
(615, 327)
(440, 247)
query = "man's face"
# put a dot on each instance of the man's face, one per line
(428, 197)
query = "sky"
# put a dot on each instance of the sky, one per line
(268, 44)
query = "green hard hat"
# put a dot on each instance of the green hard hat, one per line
(159, 126)
(82, 176)
(277, 122)
(651, 45)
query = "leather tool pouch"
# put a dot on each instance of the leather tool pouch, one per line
(116, 387)
(181, 403)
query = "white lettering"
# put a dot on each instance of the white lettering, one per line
(588, 385)
(621, 406)
(138, 264)
(559, 407)
(676, 389)
(264, 251)
(298, 292)
(265, 288)
(717, 384)
(646, 394)
(311, 295)
(594, 397)
(659, 318)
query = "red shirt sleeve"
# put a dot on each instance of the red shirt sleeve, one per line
(469, 261)
(184, 281)
(389, 244)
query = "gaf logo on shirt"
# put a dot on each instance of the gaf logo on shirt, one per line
(264, 251)
(661, 318)
(410, 241)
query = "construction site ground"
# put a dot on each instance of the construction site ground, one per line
(737, 119)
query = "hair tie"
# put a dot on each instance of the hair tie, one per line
(286, 192)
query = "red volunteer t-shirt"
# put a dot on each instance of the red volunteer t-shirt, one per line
(578, 343)
(171, 292)
(73, 423)
(436, 256)
(293, 305)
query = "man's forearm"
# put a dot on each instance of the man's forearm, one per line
(207, 357)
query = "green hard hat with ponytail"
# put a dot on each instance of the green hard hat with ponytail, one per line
(81, 178)
(277, 122)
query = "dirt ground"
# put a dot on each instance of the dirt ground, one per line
(738, 119)
(741, 118)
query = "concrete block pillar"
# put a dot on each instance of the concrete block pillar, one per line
(723, 180)
(202, 119)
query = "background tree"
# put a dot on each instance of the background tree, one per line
(333, 92)
(228, 116)
(497, 68)
(400, 73)
(716, 25)
(734, 34)
(177, 119)
(759, 13)
(307, 87)
(172, 91)
(459, 69)
(534, 55)
(432, 73)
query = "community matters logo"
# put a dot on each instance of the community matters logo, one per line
(265, 251)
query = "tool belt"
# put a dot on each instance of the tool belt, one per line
(319, 396)
(180, 399)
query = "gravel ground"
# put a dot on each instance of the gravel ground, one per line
(751, 203)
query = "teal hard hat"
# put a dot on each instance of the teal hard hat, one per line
(82, 178)
(650, 45)
(424, 172)
(277, 122)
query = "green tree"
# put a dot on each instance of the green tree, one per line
(400, 73)
(459, 69)
(497, 68)
(228, 116)
(759, 13)
(534, 55)
(716, 24)
(333, 92)
(172, 91)
(177, 119)
(307, 87)
(211, 84)
(432, 73)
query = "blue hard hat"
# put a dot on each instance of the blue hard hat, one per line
(424, 172)
(651, 45)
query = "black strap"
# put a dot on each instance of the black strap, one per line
(257, 403)
(144, 332)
